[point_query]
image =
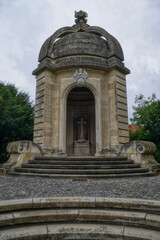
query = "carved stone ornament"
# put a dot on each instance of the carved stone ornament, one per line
(80, 17)
(20, 152)
(80, 77)
(145, 147)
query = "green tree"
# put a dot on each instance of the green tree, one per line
(16, 117)
(147, 116)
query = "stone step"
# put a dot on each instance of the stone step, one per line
(82, 176)
(81, 158)
(80, 215)
(78, 162)
(143, 205)
(82, 171)
(81, 167)
(78, 231)
(66, 218)
(51, 166)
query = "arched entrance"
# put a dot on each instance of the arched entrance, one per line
(80, 122)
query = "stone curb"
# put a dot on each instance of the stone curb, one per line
(78, 231)
(84, 202)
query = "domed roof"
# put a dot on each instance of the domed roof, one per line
(82, 45)
(79, 43)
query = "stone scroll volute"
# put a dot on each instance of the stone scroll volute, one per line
(141, 152)
(20, 152)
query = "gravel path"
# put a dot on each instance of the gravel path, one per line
(12, 187)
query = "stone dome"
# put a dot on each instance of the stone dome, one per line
(81, 45)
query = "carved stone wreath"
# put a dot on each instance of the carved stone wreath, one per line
(80, 77)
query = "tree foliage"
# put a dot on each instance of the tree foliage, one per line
(16, 117)
(147, 116)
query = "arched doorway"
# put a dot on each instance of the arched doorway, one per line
(80, 125)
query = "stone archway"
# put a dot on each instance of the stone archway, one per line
(80, 122)
(67, 84)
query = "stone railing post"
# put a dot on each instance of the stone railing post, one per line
(141, 152)
(20, 152)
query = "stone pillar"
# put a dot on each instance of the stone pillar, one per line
(43, 111)
(112, 107)
(122, 110)
(116, 107)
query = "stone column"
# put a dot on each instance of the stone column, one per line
(122, 111)
(119, 133)
(43, 111)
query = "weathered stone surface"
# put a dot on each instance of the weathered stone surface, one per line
(40, 82)
(142, 152)
(121, 87)
(79, 231)
(124, 139)
(64, 202)
(121, 93)
(40, 94)
(123, 133)
(67, 34)
(120, 81)
(27, 232)
(135, 204)
(122, 100)
(123, 119)
(45, 216)
(123, 126)
(6, 219)
(38, 140)
(86, 231)
(140, 234)
(81, 148)
(39, 106)
(122, 107)
(40, 100)
(109, 215)
(81, 43)
(20, 152)
(15, 204)
(153, 220)
(39, 113)
(81, 218)
(40, 88)
(123, 113)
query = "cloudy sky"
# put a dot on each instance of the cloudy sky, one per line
(26, 24)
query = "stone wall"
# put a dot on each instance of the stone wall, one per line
(109, 89)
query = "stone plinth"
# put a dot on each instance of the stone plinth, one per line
(81, 148)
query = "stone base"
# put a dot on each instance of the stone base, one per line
(81, 148)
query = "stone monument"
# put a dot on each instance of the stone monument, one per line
(81, 78)
(81, 103)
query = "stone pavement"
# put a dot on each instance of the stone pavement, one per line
(28, 187)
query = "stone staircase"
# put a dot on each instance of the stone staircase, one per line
(80, 218)
(81, 167)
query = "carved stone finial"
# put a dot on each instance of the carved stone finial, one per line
(80, 77)
(80, 17)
